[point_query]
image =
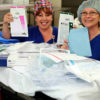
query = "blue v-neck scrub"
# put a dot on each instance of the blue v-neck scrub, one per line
(95, 47)
(36, 36)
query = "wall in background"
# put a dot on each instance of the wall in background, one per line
(57, 7)
(72, 4)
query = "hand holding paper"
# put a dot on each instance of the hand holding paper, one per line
(65, 23)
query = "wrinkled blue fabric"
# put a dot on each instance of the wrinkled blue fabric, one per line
(2, 40)
(7, 41)
(0, 34)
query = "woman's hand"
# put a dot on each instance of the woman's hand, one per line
(65, 45)
(5, 29)
(8, 18)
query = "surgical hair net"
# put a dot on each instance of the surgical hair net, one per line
(88, 4)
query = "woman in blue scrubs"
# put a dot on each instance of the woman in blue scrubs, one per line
(89, 16)
(43, 31)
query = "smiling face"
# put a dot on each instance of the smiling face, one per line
(90, 17)
(44, 18)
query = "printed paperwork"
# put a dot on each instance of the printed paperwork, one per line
(20, 59)
(65, 24)
(20, 54)
(19, 25)
(79, 42)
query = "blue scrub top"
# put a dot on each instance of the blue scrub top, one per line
(36, 36)
(95, 47)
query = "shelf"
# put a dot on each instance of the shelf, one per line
(7, 6)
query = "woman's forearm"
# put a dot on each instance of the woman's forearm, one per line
(5, 31)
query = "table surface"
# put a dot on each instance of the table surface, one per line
(51, 80)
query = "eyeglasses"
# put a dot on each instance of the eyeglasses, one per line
(90, 13)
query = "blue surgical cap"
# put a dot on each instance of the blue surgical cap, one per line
(88, 4)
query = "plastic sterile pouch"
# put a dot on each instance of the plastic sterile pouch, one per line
(51, 69)
(50, 56)
(73, 68)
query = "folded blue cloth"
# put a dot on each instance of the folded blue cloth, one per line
(0, 34)
(7, 41)
(2, 40)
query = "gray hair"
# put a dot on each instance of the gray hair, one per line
(88, 4)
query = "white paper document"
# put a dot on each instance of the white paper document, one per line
(19, 25)
(65, 23)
